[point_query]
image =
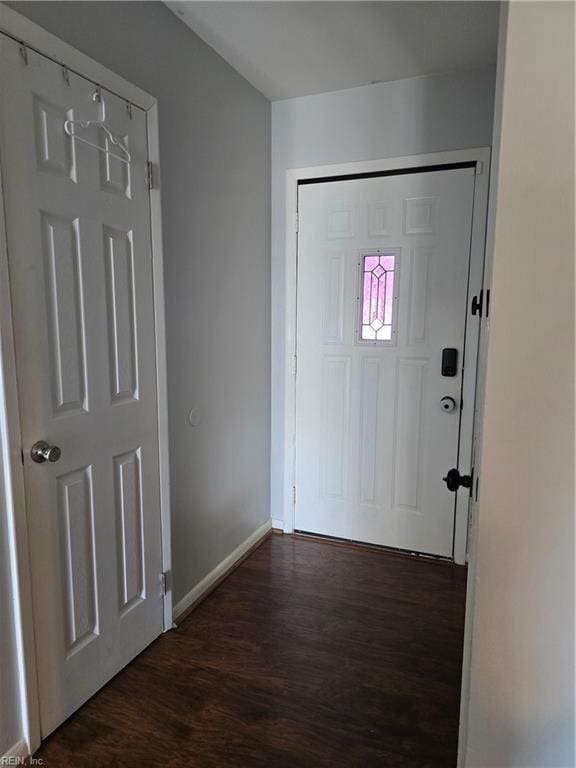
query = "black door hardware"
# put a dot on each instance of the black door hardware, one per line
(454, 480)
(477, 302)
(449, 361)
(477, 306)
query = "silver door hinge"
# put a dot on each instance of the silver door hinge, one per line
(297, 221)
(479, 168)
(66, 76)
(164, 582)
(129, 109)
(295, 364)
(150, 175)
(24, 53)
(294, 495)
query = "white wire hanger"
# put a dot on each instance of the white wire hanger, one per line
(71, 127)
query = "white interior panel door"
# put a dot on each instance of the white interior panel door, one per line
(382, 290)
(80, 265)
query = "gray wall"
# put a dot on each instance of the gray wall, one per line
(425, 114)
(521, 696)
(215, 160)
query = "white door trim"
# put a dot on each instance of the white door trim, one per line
(12, 498)
(481, 156)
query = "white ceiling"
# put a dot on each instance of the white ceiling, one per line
(289, 49)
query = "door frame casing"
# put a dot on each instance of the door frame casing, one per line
(12, 499)
(478, 155)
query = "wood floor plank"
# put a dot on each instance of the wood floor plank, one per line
(309, 655)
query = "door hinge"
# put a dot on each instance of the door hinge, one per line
(477, 307)
(150, 175)
(294, 495)
(297, 221)
(295, 364)
(477, 303)
(479, 168)
(164, 582)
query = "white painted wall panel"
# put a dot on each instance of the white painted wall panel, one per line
(521, 707)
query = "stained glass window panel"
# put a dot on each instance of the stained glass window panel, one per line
(378, 297)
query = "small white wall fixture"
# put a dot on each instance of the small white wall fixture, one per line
(34, 37)
(479, 156)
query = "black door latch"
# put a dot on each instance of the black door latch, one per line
(454, 480)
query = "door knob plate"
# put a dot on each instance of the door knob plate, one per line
(43, 451)
(448, 404)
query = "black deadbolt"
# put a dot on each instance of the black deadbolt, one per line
(454, 480)
(449, 361)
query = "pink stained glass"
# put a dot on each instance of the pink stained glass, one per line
(377, 297)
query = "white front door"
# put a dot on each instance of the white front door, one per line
(382, 292)
(79, 249)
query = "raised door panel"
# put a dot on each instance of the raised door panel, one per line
(335, 426)
(76, 505)
(115, 174)
(369, 429)
(420, 260)
(410, 384)
(55, 151)
(65, 308)
(420, 214)
(129, 521)
(119, 257)
(333, 318)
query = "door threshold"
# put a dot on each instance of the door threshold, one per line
(363, 545)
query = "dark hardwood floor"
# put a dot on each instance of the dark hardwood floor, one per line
(309, 655)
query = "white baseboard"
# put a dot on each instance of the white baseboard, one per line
(278, 525)
(16, 753)
(207, 583)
